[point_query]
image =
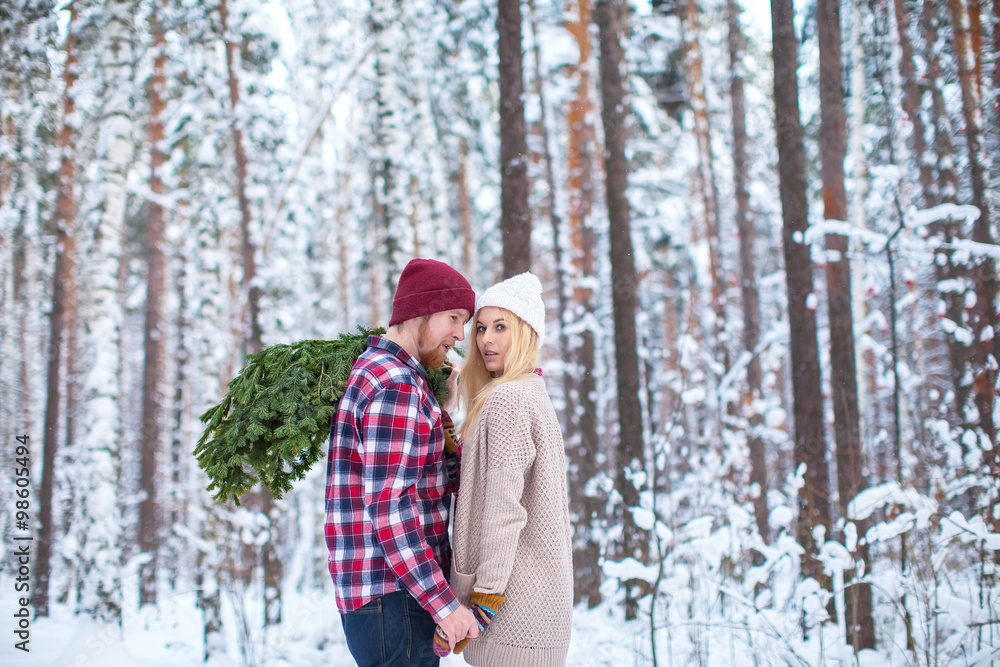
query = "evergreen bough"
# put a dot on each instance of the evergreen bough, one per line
(274, 423)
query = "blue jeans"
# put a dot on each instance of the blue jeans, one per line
(392, 631)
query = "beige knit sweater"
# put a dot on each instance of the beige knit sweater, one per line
(512, 531)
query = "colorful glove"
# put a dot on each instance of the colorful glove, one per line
(441, 647)
(484, 607)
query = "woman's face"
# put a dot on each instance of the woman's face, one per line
(492, 338)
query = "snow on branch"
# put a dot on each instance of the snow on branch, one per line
(915, 220)
(889, 493)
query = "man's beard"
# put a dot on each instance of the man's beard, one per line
(434, 357)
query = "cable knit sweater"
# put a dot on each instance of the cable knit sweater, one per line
(512, 531)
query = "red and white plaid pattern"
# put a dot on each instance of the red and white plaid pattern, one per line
(387, 491)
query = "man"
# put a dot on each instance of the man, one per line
(387, 490)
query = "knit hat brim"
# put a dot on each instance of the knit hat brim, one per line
(427, 286)
(521, 295)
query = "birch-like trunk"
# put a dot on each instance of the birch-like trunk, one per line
(101, 432)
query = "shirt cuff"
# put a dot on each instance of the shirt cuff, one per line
(442, 604)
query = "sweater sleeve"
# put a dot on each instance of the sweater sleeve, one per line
(510, 455)
(393, 453)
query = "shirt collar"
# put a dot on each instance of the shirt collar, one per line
(397, 350)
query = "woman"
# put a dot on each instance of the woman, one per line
(512, 552)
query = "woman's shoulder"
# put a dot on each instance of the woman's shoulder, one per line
(524, 397)
(523, 388)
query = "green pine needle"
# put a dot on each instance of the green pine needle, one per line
(274, 423)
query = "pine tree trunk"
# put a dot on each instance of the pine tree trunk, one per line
(913, 103)
(945, 191)
(586, 551)
(581, 427)
(515, 217)
(934, 358)
(252, 341)
(993, 148)
(975, 8)
(750, 293)
(549, 204)
(63, 290)
(630, 449)
(844, 377)
(150, 517)
(984, 275)
(707, 186)
(810, 441)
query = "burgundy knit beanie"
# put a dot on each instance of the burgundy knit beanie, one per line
(428, 286)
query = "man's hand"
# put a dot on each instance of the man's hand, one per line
(484, 607)
(458, 625)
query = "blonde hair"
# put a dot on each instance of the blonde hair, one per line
(476, 382)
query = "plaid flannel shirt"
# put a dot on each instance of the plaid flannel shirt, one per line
(387, 489)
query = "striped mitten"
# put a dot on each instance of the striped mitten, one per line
(484, 607)
(441, 647)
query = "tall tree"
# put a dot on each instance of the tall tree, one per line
(63, 307)
(100, 514)
(252, 336)
(844, 378)
(913, 102)
(383, 21)
(985, 319)
(154, 332)
(810, 442)
(945, 191)
(581, 427)
(515, 217)
(748, 269)
(708, 189)
(624, 287)
(541, 129)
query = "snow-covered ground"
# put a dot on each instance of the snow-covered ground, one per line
(310, 635)
(170, 635)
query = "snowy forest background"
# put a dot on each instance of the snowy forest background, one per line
(772, 351)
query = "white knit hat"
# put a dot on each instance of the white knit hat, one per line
(521, 295)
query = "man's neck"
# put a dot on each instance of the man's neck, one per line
(405, 337)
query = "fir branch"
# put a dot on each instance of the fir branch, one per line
(273, 424)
